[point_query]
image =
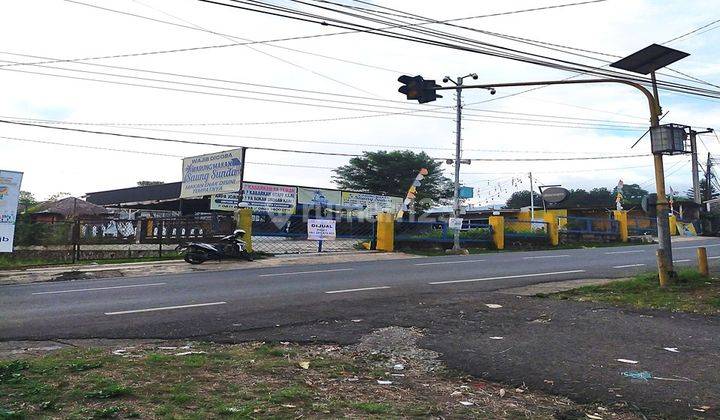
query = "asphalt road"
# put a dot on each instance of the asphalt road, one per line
(108, 307)
(562, 347)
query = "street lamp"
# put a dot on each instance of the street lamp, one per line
(664, 139)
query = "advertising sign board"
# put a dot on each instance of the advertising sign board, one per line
(321, 230)
(9, 195)
(277, 199)
(371, 203)
(318, 197)
(213, 173)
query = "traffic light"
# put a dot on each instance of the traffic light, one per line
(418, 88)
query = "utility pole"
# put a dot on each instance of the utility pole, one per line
(695, 165)
(458, 151)
(708, 176)
(532, 200)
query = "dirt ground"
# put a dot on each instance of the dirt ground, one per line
(384, 375)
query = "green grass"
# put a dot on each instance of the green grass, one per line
(373, 407)
(11, 263)
(690, 293)
(434, 252)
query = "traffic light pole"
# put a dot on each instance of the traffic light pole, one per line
(665, 263)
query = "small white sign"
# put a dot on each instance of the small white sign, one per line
(321, 230)
(455, 223)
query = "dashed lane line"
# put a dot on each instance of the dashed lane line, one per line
(546, 256)
(357, 290)
(624, 252)
(165, 308)
(518, 276)
(629, 265)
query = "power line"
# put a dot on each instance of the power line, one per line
(112, 149)
(161, 139)
(691, 32)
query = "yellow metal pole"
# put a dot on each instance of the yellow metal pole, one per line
(702, 261)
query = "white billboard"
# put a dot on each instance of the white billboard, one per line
(9, 195)
(371, 204)
(214, 173)
(321, 230)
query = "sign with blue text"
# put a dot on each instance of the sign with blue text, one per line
(214, 173)
(9, 195)
(321, 230)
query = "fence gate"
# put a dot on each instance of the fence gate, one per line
(642, 226)
(287, 234)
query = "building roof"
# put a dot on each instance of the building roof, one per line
(70, 207)
(169, 191)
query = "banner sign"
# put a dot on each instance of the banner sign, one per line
(455, 223)
(277, 199)
(213, 173)
(9, 196)
(686, 229)
(318, 197)
(321, 230)
(371, 203)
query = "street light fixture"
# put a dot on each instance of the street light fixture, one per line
(667, 139)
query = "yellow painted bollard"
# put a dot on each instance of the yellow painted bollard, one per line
(703, 261)
(243, 220)
(672, 220)
(385, 232)
(498, 231)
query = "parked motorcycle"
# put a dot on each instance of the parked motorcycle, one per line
(230, 246)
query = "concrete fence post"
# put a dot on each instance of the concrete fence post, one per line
(243, 220)
(385, 232)
(553, 228)
(497, 223)
(622, 219)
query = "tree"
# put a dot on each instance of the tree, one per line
(522, 199)
(149, 183)
(26, 201)
(703, 190)
(392, 173)
(633, 194)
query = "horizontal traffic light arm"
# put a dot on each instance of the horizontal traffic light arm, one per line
(654, 109)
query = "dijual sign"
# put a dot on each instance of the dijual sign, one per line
(9, 196)
(213, 173)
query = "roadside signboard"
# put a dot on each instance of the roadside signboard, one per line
(321, 230)
(455, 223)
(266, 198)
(9, 195)
(318, 197)
(554, 195)
(371, 203)
(214, 173)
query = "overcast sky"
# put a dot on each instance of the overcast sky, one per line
(226, 114)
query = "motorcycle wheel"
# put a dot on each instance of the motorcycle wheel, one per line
(247, 256)
(195, 258)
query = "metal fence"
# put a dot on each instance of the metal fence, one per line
(287, 234)
(642, 226)
(588, 227)
(105, 237)
(415, 233)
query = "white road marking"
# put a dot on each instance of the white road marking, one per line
(696, 246)
(713, 258)
(98, 288)
(450, 262)
(164, 308)
(679, 261)
(357, 290)
(629, 265)
(624, 252)
(509, 277)
(305, 272)
(546, 256)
